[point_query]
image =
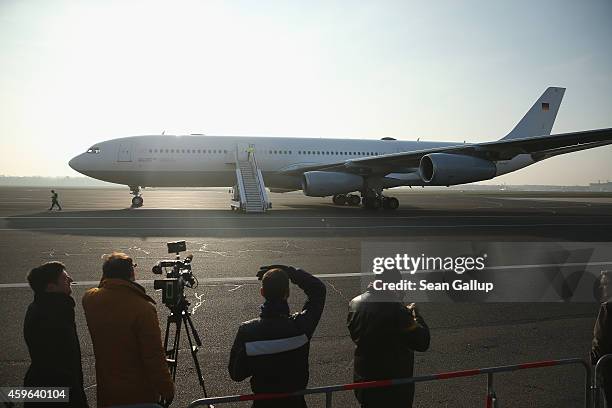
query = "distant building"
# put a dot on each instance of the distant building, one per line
(607, 186)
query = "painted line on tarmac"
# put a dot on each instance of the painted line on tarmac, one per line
(399, 217)
(322, 227)
(201, 281)
(205, 281)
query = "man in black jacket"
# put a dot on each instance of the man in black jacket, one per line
(602, 335)
(50, 333)
(386, 333)
(273, 349)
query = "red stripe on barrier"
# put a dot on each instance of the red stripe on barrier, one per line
(537, 364)
(367, 384)
(386, 383)
(253, 397)
(455, 374)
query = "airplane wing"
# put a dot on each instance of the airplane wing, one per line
(539, 147)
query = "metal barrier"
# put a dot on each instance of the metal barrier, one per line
(491, 398)
(596, 377)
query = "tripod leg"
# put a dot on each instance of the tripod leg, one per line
(166, 335)
(196, 336)
(177, 345)
(172, 353)
(194, 350)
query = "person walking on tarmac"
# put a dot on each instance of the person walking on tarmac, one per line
(386, 334)
(273, 349)
(54, 201)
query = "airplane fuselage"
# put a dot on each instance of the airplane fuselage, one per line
(209, 161)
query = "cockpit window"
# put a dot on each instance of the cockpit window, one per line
(94, 150)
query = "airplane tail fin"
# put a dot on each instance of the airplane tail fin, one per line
(539, 120)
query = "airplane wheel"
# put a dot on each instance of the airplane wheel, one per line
(339, 199)
(137, 202)
(391, 203)
(353, 200)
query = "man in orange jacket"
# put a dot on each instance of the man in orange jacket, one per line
(131, 364)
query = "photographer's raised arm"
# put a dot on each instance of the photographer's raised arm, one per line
(413, 327)
(315, 292)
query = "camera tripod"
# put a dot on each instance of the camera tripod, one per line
(181, 316)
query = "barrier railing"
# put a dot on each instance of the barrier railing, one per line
(596, 379)
(491, 398)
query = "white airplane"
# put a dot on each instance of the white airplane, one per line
(333, 167)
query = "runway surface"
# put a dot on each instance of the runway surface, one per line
(323, 239)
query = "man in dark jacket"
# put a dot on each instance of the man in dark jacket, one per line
(386, 333)
(273, 349)
(602, 336)
(51, 336)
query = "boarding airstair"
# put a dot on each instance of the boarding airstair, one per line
(249, 193)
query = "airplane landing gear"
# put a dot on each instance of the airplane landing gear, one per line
(353, 200)
(371, 202)
(137, 200)
(348, 199)
(339, 199)
(390, 203)
(375, 200)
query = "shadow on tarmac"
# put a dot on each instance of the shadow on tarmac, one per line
(303, 221)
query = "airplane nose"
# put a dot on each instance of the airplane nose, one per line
(74, 163)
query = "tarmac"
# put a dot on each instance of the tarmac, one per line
(228, 248)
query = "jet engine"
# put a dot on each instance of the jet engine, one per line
(444, 169)
(326, 183)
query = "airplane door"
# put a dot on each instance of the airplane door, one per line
(242, 151)
(124, 154)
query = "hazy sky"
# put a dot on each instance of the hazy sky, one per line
(73, 73)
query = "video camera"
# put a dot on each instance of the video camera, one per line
(178, 276)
